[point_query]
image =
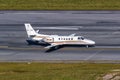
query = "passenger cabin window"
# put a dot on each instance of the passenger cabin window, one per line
(79, 38)
(66, 38)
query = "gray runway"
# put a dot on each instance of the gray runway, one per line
(101, 26)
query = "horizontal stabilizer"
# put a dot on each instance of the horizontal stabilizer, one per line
(73, 34)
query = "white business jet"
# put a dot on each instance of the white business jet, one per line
(54, 41)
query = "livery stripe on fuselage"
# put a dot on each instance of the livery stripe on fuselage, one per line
(63, 42)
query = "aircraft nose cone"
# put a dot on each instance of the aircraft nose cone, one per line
(92, 42)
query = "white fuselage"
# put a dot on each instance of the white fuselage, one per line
(78, 40)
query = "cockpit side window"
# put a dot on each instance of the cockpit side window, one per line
(80, 38)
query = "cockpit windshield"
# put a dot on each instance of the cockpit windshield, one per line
(81, 38)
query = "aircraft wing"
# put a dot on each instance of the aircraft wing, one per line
(53, 45)
(73, 34)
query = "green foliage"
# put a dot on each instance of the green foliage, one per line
(54, 71)
(59, 4)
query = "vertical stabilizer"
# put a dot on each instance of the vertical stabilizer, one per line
(30, 31)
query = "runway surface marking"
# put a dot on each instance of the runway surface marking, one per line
(103, 27)
(3, 46)
(58, 28)
(94, 54)
(65, 48)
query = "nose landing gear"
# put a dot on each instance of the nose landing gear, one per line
(87, 46)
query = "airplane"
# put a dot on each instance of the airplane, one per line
(54, 41)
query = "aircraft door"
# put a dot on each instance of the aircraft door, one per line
(49, 40)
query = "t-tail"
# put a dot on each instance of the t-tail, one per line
(30, 31)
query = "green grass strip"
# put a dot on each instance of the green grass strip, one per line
(54, 71)
(59, 4)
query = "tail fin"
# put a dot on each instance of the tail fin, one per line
(30, 31)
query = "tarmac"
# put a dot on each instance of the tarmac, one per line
(101, 26)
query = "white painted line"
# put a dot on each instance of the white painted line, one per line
(31, 13)
(108, 47)
(3, 46)
(116, 32)
(88, 58)
(58, 28)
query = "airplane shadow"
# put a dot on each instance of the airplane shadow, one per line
(53, 49)
(79, 46)
(44, 45)
(59, 47)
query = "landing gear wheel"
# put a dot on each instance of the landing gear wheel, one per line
(87, 46)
